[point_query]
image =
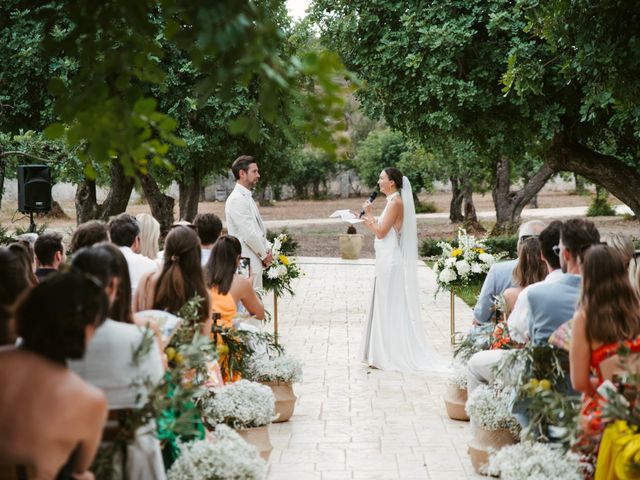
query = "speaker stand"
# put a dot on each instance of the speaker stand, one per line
(32, 224)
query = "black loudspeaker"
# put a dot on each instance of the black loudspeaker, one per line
(34, 188)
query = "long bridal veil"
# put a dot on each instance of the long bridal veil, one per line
(409, 248)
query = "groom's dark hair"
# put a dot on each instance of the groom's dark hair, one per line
(241, 163)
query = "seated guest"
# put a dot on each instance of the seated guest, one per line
(88, 234)
(16, 279)
(552, 304)
(609, 313)
(51, 420)
(29, 241)
(500, 276)
(624, 245)
(179, 280)
(529, 270)
(109, 364)
(226, 286)
(209, 228)
(21, 251)
(125, 233)
(50, 254)
(149, 235)
(481, 365)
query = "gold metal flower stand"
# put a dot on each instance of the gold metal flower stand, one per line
(452, 316)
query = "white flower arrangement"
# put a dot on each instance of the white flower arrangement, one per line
(458, 377)
(283, 368)
(534, 461)
(282, 271)
(457, 267)
(227, 458)
(489, 406)
(242, 404)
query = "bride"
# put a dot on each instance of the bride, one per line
(393, 336)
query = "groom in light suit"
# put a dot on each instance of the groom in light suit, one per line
(243, 218)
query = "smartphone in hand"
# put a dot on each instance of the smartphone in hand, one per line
(244, 267)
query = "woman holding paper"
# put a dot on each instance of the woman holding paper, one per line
(393, 336)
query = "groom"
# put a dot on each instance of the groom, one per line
(243, 219)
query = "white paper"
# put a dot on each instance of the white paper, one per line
(167, 322)
(346, 215)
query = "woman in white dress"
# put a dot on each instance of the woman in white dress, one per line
(393, 336)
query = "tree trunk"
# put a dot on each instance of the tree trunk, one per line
(117, 200)
(581, 188)
(470, 216)
(161, 205)
(508, 204)
(189, 189)
(455, 207)
(565, 154)
(3, 169)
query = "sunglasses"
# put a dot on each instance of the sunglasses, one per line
(556, 250)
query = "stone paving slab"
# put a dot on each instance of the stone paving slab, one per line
(353, 422)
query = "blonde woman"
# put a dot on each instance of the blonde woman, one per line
(627, 249)
(149, 235)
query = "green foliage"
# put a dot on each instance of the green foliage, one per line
(426, 207)
(381, 149)
(290, 247)
(429, 247)
(600, 208)
(309, 168)
(40, 229)
(507, 245)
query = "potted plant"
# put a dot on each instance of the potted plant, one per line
(535, 460)
(489, 409)
(278, 373)
(248, 407)
(225, 456)
(350, 244)
(456, 397)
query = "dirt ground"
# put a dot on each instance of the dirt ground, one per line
(320, 239)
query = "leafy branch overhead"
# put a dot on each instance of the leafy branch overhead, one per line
(115, 57)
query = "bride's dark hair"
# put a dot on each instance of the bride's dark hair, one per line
(395, 175)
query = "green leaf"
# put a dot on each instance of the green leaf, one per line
(54, 131)
(239, 125)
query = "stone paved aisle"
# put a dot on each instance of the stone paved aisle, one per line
(352, 422)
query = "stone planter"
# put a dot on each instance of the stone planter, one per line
(350, 245)
(259, 438)
(486, 442)
(455, 399)
(285, 399)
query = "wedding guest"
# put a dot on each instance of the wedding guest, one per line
(21, 251)
(29, 241)
(149, 235)
(50, 253)
(552, 304)
(16, 279)
(529, 270)
(481, 366)
(609, 313)
(209, 228)
(500, 276)
(88, 234)
(125, 233)
(51, 420)
(110, 364)
(623, 244)
(179, 280)
(226, 286)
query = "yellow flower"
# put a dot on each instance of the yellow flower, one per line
(456, 252)
(479, 250)
(545, 384)
(283, 260)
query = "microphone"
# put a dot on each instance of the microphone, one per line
(372, 197)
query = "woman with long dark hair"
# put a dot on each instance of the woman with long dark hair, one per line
(608, 314)
(394, 335)
(226, 286)
(51, 420)
(180, 279)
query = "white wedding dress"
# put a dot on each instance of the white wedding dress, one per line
(393, 337)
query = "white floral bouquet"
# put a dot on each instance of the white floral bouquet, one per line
(277, 278)
(229, 457)
(489, 406)
(282, 368)
(242, 404)
(458, 377)
(459, 265)
(535, 461)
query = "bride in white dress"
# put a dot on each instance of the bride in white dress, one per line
(393, 336)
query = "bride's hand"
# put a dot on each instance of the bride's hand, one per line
(367, 207)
